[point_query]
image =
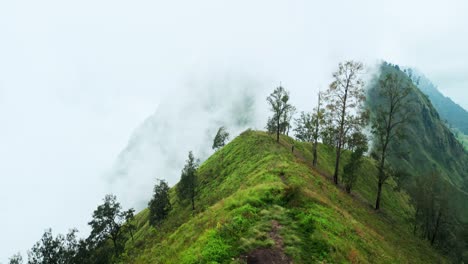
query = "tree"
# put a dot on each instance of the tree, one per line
(54, 250)
(318, 120)
(282, 112)
(388, 122)
(308, 129)
(432, 208)
(328, 132)
(186, 189)
(220, 139)
(344, 101)
(304, 130)
(16, 259)
(285, 124)
(129, 223)
(358, 146)
(160, 204)
(108, 221)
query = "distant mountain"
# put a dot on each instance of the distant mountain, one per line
(455, 115)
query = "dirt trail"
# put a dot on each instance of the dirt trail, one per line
(274, 255)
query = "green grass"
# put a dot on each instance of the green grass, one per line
(253, 182)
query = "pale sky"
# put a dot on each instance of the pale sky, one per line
(77, 79)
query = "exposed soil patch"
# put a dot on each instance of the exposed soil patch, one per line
(264, 256)
(274, 255)
(283, 177)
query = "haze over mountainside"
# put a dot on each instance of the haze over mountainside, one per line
(157, 149)
(449, 111)
(429, 146)
(265, 197)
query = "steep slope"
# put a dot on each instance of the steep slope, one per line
(258, 201)
(429, 145)
(453, 113)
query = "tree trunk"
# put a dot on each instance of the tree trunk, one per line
(381, 176)
(314, 162)
(348, 188)
(114, 240)
(379, 193)
(337, 165)
(193, 203)
(427, 234)
(415, 221)
(341, 134)
(436, 229)
(277, 130)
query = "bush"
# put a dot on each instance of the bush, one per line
(216, 250)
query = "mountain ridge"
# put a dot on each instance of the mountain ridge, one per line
(451, 112)
(274, 184)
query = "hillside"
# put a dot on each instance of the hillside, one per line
(258, 201)
(449, 111)
(429, 146)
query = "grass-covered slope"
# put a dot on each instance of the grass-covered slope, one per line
(259, 201)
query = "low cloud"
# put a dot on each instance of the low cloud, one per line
(186, 121)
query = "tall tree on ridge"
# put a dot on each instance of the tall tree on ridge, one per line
(344, 101)
(281, 109)
(388, 123)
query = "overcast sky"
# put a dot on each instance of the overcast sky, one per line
(77, 78)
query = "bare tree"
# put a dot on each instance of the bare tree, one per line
(318, 122)
(344, 100)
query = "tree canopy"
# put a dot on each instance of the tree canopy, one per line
(220, 139)
(160, 204)
(186, 189)
(344, 103)
(282, 110)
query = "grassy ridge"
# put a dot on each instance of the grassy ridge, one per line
(255, 193)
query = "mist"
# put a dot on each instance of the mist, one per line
(99, 97)
(181, 123)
